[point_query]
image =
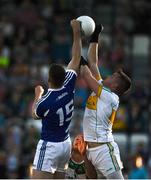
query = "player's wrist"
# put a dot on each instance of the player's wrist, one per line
(76, 34)
(78, 166)
(76, 28)
(95, 35)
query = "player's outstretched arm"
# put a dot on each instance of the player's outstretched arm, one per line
(93, 60)
(38, 93)
(93, 52)
(90, 80)
(76, 47)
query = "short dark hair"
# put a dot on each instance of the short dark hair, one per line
(56, 75)
(124, 82)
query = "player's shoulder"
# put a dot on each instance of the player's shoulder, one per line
(57, 95)
(71, 71)
(51, 93)
(109, 95)
(106, 92)
(115, 98)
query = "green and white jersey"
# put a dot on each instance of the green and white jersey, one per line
(99, 115)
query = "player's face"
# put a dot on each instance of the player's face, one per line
(112, 81)
(115, 77)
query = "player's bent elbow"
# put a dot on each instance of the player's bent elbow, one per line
(34, 116)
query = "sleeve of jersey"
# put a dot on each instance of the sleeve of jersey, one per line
(70, 79)
(114, 111)
(100, 87)
(41, 109)
(115, 106)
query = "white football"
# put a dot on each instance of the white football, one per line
(87, 25)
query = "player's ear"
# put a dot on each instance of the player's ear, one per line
(115, 86)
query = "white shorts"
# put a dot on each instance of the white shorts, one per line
(105, 158)
(51, 157)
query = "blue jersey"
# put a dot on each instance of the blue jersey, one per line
(55, 109)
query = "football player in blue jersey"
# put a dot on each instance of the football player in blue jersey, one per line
(55, 108)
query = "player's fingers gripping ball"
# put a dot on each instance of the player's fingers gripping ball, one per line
(79, 144)
(87, 25)
(76, 25)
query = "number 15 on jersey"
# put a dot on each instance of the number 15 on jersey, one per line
(64, 113)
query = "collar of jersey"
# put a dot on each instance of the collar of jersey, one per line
(50, 89)
(107, 89)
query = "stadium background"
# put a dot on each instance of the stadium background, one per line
(35, 33)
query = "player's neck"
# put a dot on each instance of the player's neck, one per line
(51, 86)
(107, 85)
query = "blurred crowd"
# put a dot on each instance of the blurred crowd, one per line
(36, 33)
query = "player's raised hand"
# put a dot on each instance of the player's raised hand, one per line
(76, 25)
(39, 91)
